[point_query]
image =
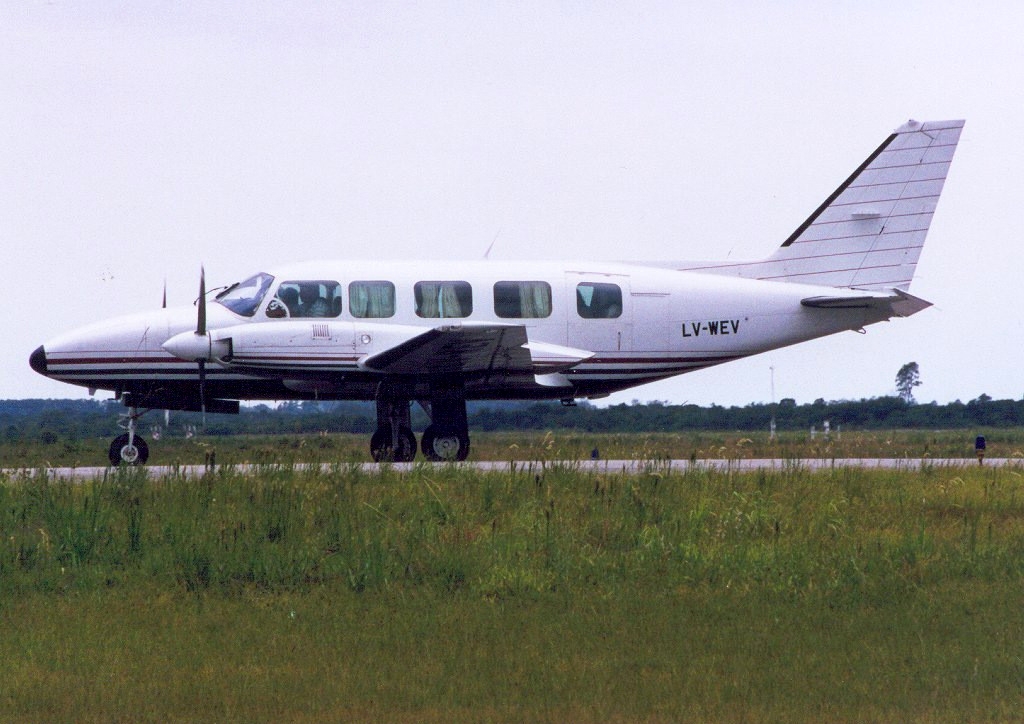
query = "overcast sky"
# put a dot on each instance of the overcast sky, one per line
(141, 140)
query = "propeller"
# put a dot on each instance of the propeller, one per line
(201, 326)
(201, 332)
(199, 346)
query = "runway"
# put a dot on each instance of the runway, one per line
(589, 466)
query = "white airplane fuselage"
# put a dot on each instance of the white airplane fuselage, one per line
(440, 332)
(670, 322)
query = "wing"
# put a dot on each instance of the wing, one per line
(473, 348)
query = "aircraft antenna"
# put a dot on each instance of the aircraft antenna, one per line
(487, 254)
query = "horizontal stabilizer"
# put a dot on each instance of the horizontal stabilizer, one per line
(898, 303)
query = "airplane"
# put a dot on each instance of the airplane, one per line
(440, 333)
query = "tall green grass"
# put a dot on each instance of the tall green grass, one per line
(544, 593)
(541, 527)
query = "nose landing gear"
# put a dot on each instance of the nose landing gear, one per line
(129, 448)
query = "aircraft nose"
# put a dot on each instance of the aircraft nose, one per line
(37, 360)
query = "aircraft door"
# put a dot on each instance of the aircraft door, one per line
(600, 312)
(655, 329)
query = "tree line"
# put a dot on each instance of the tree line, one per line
(51, 420)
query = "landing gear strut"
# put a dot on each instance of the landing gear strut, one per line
(393, 441)
(129, 448)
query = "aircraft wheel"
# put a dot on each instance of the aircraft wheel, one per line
(121, 452)
(383, 450)
(445, 444)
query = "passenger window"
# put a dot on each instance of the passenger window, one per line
(443, 299)
(522, 300)
(371, 299)
(597, 300)
(314, 298)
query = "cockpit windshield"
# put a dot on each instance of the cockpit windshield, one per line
(244, 297)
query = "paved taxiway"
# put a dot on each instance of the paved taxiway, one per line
(602, 466)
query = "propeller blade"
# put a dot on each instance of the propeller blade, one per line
(202, 389)
(164, 305)
(201, 332)
(201, 326)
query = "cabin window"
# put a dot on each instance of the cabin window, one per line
(307, 298)
(522, 300)
(598, 300)
(244, 297)
(443, 299)
(374, 300)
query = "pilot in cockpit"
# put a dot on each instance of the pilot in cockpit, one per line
(290, 297)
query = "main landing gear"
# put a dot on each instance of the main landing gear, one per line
(393, 440)
(447, 436)
(129, 448)
(445, 439)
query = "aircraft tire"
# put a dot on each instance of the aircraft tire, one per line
(383, 450)
(442, 444)
(120, 452)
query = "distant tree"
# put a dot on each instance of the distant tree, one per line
(907, 379)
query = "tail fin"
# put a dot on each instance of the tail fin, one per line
(869, 233)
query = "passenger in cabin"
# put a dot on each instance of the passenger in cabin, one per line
(311, 303)
(597, 300)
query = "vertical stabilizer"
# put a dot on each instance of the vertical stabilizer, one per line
(869, 233)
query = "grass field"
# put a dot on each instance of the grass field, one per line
(543, 594)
